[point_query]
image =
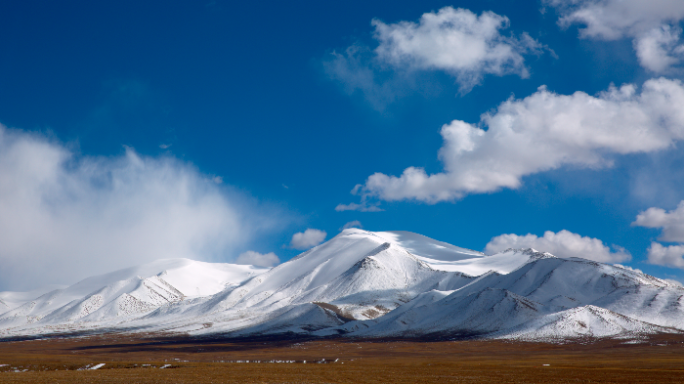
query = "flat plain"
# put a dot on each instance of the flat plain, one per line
(138, 359)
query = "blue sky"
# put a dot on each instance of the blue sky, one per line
(136, 131)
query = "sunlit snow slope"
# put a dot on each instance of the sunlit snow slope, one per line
(122, 295)
(366, 284)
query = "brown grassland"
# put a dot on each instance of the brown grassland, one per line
(659, 359)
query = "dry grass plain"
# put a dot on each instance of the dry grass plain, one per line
(659, 359)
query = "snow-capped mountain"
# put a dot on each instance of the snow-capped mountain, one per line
(365, 284)
(124, 294)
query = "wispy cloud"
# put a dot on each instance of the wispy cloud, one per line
(65, 216)
(363, 207)
(352, 224)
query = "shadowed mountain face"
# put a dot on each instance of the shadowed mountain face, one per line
(364, 284)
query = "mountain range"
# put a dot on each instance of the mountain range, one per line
(367, 285)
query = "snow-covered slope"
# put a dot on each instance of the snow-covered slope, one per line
(357, 275)
(546, 297)
(11, 300)
(426, 247)
(367, 284)
(586, 321)
(126, 293)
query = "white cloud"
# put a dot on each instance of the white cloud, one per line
(258, 259)
(614, 19)
(353, 69)
(541, 132)
(561, 244)
(671, 223)
(670, 256)
(455, 41)
(64, 217)
(658, 50)
(363, 207)
(652, 24)
(352, 224)
(307, 239)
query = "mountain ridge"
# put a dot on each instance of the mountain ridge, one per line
(366, 284)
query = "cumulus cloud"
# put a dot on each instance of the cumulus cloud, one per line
(258, 259)
(307, 239)
(670, 256)
(455, 41)
(352, 224)
(561, 244)
(672, 225)
(541, 132)
(651, 24)
(658, 49)
(64, 217)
